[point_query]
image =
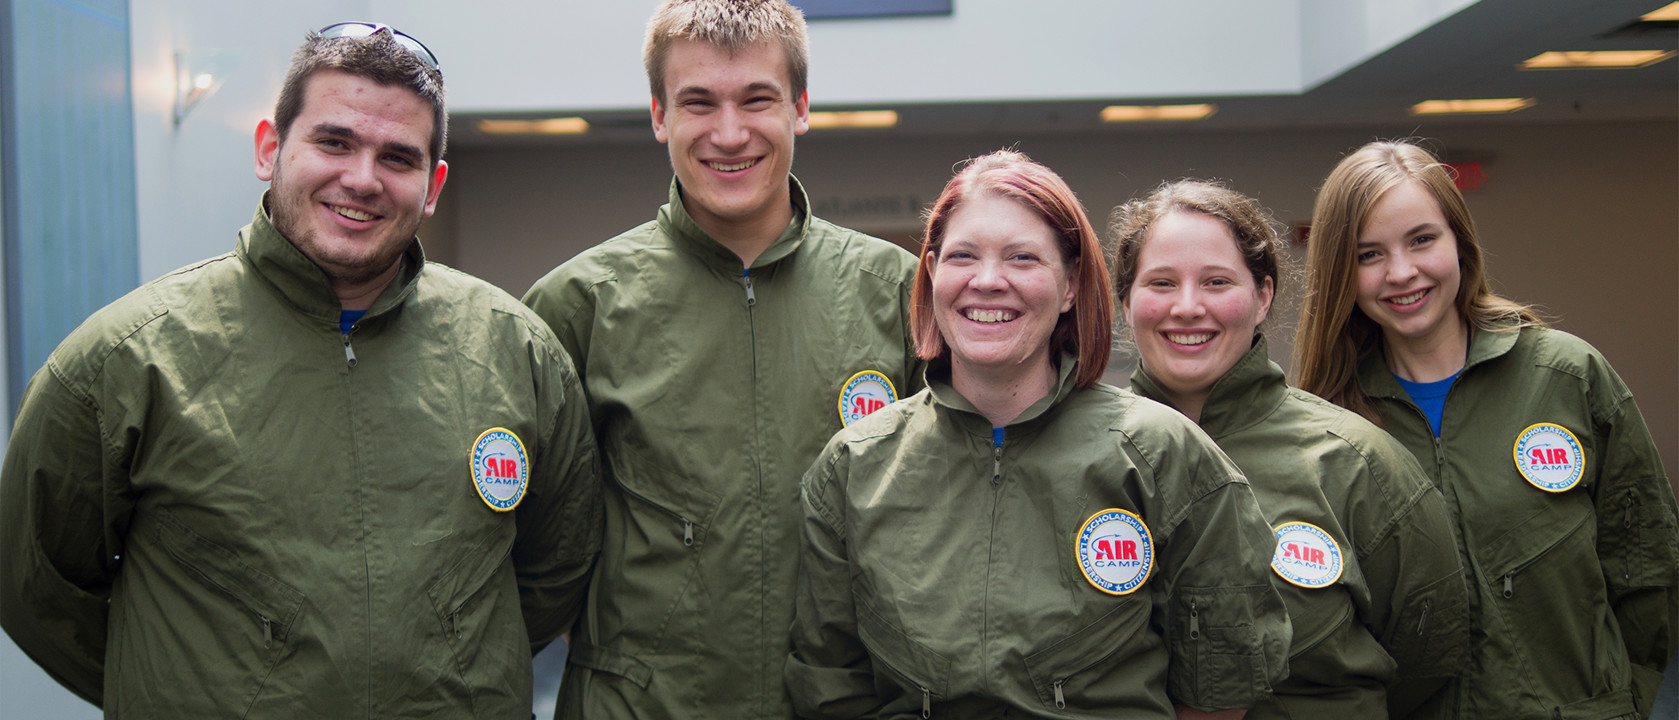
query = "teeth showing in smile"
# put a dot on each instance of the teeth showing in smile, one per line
(990, 316)
(351, 213)
(720, 167)
(1409, 299)
(1182, 339)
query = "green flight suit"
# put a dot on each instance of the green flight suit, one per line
(1574, 593)
(217, 505)
(712, 389)
(942, 572)
(1394, 624)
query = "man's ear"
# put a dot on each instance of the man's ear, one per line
(659, 130)
(267, 149)
(435, 186)
(801, 110)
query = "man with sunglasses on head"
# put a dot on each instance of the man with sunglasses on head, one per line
(721, 345)
(316, 477)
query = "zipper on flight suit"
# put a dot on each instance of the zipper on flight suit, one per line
(751, 299)
(1626, 568)
(996, 456)
(1194, 622)
(1424, 617)
(1060, 699)
(926, 703)
(349, 352)
(267, 631)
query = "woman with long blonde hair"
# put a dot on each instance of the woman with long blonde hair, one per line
(1564, 517)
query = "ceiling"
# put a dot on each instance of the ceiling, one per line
(1472, 54)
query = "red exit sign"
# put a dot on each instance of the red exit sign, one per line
(1469, 176)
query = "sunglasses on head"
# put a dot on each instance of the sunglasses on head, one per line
(364, 29)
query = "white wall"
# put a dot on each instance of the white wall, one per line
(1336, 34)
(1579, 218)
(195, 182)
(512, 55)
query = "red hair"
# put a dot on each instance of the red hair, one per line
(1085, 331)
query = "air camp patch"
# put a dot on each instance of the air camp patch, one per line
(865, 393)
(1549, 457)
(1115, 551)
(1306, 555)
(500, 469)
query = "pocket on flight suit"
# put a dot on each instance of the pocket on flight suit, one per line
(1216, 659)
(477, 606)
(921, 674)
(1088, 669)
(654, 558)
(194, 609)
(1548, 589)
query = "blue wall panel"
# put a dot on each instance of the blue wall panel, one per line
(71, 237)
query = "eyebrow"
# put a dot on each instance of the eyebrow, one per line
(1428, 225)
(757, 87)
(341, 131)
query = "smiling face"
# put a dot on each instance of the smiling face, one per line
(352, 179)
(1408, 273)
(1194, 306)
(730, 120)
(1000, 283)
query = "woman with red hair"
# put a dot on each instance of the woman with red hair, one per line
(1017, 538)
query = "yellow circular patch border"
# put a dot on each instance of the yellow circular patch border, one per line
(1573, 442)
(845, 391)
(1340, 555)
(1145, 534)
(477, 468)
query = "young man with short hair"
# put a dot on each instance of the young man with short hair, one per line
(316, 476)
(721, 345)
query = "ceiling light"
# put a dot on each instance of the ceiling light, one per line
(1602, 60)
(1470, 107)
(854, 119)
(546, 126)
(1157, 113)
(1670, 13)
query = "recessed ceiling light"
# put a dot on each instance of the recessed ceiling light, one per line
(1668, 13)
(854, 119)
(1471, 107)
(546, 126)
(1157, 113)
(1601, 60)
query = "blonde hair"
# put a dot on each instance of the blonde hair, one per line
(1334, 333)
(730, 25)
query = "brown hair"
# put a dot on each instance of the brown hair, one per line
(1086, 330)
(1334, 333)
(1258, 235)
(730, 25)
(377, 57)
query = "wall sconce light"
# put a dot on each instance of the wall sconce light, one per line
(198, 74)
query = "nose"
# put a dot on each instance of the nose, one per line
(730, 132)
(1187, 303)
(989, 276)
(1401, 268)
(361, 174)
